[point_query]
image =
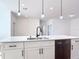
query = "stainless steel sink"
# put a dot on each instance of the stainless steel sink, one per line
(39, 38)
(33, 38)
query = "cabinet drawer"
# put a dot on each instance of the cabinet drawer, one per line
(48, 43)
(12, 45)
(76, 41)
(38, 44)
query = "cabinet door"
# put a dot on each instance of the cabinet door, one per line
(49, 52)
(32, 53)
(75, 49)
(62, 49)
(13, 54)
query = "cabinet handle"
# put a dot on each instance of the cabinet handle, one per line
(59, 43)
(72, 47)
(76, 41)
(41, 51)
(12, 46)
(22, 53)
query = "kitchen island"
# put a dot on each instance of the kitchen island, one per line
(43, 38)
(44, 47)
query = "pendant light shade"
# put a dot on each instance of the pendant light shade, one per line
(19, 13)
(42, 15)
(61, 17)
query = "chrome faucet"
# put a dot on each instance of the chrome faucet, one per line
(39, 28)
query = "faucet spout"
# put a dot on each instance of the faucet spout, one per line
(38, 31)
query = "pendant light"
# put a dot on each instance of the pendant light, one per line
(61, 17)
(43, 15)
(19, 11)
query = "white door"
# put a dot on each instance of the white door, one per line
(49, 52)
(32, 53)
(74, 49)
(13, 54)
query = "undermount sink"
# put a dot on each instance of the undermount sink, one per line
(33, 38)
(39, 38)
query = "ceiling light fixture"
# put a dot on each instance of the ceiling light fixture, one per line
(43, 15)
(51, 8)
(19, 11)
(72, 15)
(23, 5)
(61, 17)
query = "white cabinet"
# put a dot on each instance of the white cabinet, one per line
(29, 50)
(32, 53)
(75, 49)
(13, 54)
(12, 51)
(40, 50)
(49, 52)
(40, 53)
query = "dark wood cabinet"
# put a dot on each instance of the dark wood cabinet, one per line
(62, 49)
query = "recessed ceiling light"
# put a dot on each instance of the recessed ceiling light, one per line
(72, 15)
(23, 5)
(51, 8)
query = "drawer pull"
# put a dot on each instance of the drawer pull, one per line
(72, 47)
(59, 43)
(22, 53)
(41, 51)
(76, 41)
(12, 46)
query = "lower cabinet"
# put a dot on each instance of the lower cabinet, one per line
(75, 49)
(40, 53)
(32, 53)
(59, 49)
(29, 50)
(49, 52)
(13, 54)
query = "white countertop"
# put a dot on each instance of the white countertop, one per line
(44, 38)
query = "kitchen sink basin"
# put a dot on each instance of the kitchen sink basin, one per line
(33, 38)
(39, 38)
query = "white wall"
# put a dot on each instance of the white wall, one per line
(13, 23)
(75, 27)
(26, 26)
(61, 27)
(58, 27)
(4, 20)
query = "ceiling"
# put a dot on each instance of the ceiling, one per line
(34, 8)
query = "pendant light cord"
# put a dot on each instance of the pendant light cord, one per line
(61, 8)
(42, 6)
(18, 5)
